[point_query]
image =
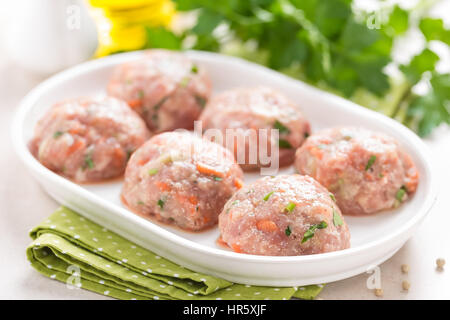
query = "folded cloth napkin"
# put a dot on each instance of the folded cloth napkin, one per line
(70, 248)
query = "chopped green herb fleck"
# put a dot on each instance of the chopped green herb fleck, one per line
(194, 69)
(159, 104)
(332, 197)
(281, 128)
(88, 162)
(284, 144)
(337, 219)
(381, 175)
(129, 153)
(400, 194)
(370, 162)
(58, 134)
(141, 94)
(288, 231)
(347, 138)
(311, 231)
(200, 101)
(217, 178)
(267, 196)
(290, 207)
(184, 82)
(152, 171)
(161, 204)
(140, 203)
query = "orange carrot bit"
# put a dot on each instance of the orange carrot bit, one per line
(317, 152)
(162, 186)
(202, 168)
(236, 248)
(238, 183)
(369, 176)
(78, 144)
(135, 103)
(266, 225)
(193, 200)
(74, 130)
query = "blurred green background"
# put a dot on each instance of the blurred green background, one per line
(357, 49)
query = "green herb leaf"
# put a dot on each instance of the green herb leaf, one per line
(288, 231)
(184, 82)
(281, 128)
(424, 61)
(400, 194)
(200, 101)
(429, 111)
(160, 37)
(434, 29)
(161, 204)
(290, 207)
(267, 196)
(398, 20)
(337, 219)
(312, 230)
(217, 178)
(194, 68)
(152, 171)
(370, 162)
(58, 134)
(160, 103)
(284, 144)
(141, 94)
(88, 162)
(332, 197)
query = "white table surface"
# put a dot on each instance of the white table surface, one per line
(23, 204)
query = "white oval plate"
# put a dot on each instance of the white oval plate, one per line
(374, 239)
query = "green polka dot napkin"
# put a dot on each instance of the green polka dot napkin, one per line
(74, 250)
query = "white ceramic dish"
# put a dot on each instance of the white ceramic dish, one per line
(374, 239)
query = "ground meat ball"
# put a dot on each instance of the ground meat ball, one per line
(167, 89)
(366, 171)
(87, 139)
(258, 108)
(287, 215)
(181, 179)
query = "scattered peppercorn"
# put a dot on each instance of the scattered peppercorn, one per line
(406, 285)
(440, 262)
(379, 292)
(405, 268)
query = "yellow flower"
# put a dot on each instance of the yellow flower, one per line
(121, 23)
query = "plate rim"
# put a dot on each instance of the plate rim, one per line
(24, 154)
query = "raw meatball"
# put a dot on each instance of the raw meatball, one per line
(167, 89)
(257, 108)
(366, 171)
(287, 215)
(181, 179)
(87, 139)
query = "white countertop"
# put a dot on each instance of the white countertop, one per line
(23, 204)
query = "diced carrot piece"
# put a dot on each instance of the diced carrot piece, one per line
(317, 152)
(162, 186)
(142, 161)
(202, 168)
(238, 183)
(193, 200)
(135, 103)
(266, 225)
(236, 248)
(78, 144)
(119, 155)
(74, 130)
